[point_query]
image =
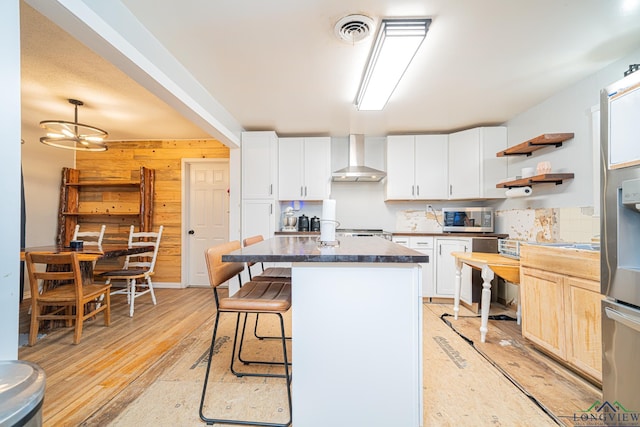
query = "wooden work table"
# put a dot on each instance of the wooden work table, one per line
(490, 265)
(356, 328)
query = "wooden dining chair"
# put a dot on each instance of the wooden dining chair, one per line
(138, 268)
(58, 293)
(89, 238)
(252, 297)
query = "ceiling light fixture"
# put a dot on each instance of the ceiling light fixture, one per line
(73, 135)
(397, 42)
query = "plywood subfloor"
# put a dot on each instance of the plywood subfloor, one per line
(148, 370)
(554, 388)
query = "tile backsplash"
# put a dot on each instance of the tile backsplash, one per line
(549, 224)
(527, 225)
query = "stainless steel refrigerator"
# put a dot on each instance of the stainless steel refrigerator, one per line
(620, 241)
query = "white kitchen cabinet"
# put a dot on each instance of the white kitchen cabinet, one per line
(258, 218)
(304, 168)
(445, 266)
(259, 165)
(422, 244)
(260, 212)
(474, 169)
(416, 167)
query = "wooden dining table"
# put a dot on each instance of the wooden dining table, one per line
(89, 254)
(489, 265)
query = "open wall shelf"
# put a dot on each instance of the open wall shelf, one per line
(556, 178)
(534, 144)
(110, 202)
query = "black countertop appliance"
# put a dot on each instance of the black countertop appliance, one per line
(303, 223)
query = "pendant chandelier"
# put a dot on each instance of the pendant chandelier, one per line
(73, 135)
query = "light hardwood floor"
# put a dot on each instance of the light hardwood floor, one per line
(147, 370)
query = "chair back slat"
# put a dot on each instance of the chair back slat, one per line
(89, 238)
(219, 271)
(145, 260)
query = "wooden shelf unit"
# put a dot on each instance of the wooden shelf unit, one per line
(71, 189)
(556, 178)
(534, 144)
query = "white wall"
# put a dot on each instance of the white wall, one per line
(42, 170)
(10, 183)
(566, 111)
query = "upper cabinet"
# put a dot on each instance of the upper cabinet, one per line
(474, 168)
(416, 167)
(259, 165)
(304, 168)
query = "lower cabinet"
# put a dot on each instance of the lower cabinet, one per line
(542, 304)
(584, 325)
(424, 245)
(561, 313)
(445, 265)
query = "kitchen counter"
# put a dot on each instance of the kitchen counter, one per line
(307, 249)
(297, 233)
(356, 320)
(424, 233)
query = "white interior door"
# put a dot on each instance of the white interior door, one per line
(208, 215)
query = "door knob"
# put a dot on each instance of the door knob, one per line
(191, 232)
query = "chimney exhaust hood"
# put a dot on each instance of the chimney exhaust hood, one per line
(357, 171)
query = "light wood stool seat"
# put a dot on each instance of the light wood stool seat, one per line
(259, 297)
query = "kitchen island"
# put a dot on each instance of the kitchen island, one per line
(356, 327)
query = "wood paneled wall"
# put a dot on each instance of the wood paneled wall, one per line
(122, 161)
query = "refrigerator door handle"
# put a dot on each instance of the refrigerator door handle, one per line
(630, 321)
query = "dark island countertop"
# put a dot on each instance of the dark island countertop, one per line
(308, 249)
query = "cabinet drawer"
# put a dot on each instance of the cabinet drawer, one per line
(404, 241)
(421, 242)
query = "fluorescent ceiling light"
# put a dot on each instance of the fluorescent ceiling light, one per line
(396, 44)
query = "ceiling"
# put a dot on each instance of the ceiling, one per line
(277, 65)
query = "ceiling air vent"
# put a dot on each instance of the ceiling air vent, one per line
(353, 28)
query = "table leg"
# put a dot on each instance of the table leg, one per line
(487, 277)
(457, 289)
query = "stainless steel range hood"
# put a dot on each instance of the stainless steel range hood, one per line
(357, 171)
